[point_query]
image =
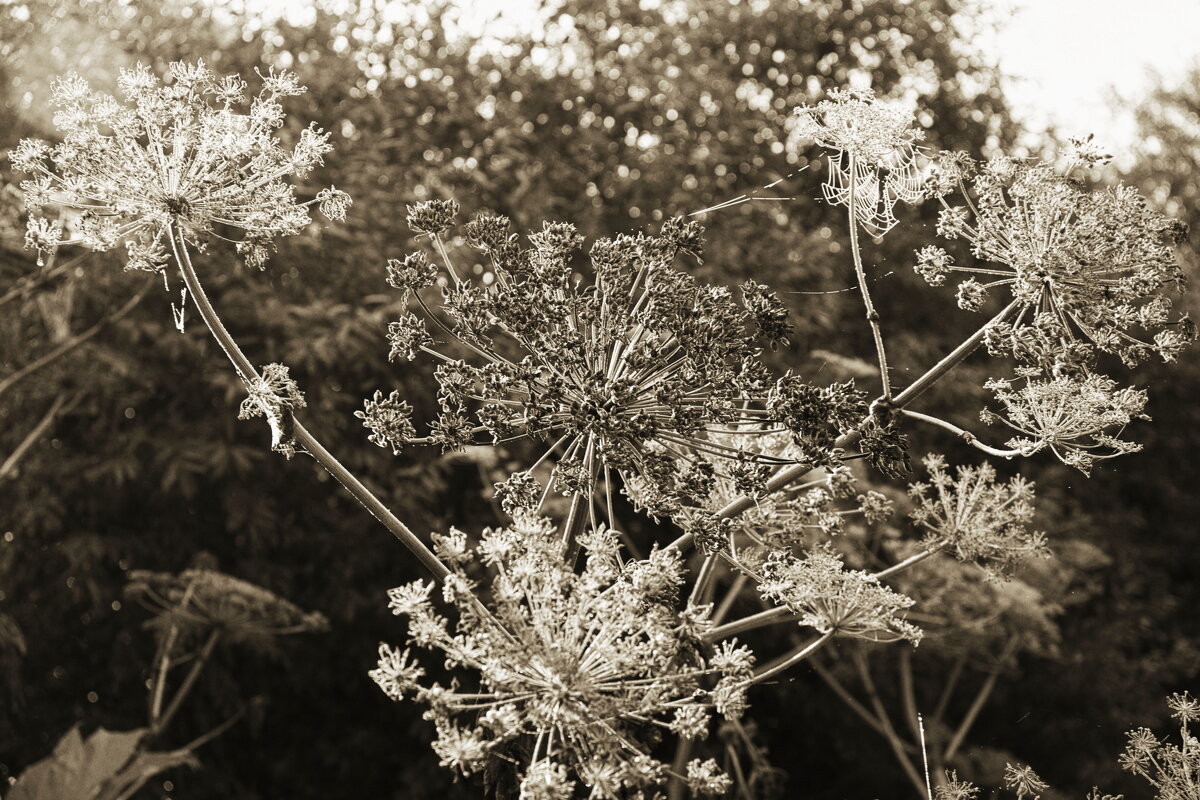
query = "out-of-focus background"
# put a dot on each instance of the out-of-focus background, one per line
(119, 444)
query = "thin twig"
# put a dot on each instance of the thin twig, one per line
(977, 704)
(62, 404)
(70, 344)
(189, 681)
(897, 744)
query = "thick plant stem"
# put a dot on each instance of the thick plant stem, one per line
(872, 314)
(678, 789)
(708, 569)
(952, 359)
(304, 439)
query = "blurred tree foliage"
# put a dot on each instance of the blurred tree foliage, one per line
(609, 113)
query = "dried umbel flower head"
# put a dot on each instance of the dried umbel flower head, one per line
(575, 668)
(976, 517)
(1174, 770)
(1089, 267)
(822, 593)
(1024, 782)
(180, 154)
(634, 367)
(202, 600)
(968, 611)
(872, 154)
(1072, 416)
(274, 395)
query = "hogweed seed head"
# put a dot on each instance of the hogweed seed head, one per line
(974, 516)
(635, 366)
(1094, 265)
(1073, 416)
(574, 664)
(389, 419)
(872, 154)
(825, 595)
(1024, 781)
(180, 153)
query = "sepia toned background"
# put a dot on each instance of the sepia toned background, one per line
(119, 444)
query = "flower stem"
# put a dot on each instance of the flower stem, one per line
(189, 681)
(791, 659)
(951, 360)
(872, 314)
(965, 435)
(303, 438)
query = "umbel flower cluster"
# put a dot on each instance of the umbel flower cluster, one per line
(872, 154)
(569, 657)
(180, 153)
(580, 673)
(975, 516)
(635, 368)
(1088, 272)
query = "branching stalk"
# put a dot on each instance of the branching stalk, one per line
(304, 439)
(872, 314)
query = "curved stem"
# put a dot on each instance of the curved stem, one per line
(965, 435)
(305, 439)
(872, 314)
(791, 659)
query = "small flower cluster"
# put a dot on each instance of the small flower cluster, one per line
(872, 162)
(822, 593)
(1072, 416)
(635, 367)
(176, 156)
(976, 517)
(578, 672)
(274, 395)
(1173, 770)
